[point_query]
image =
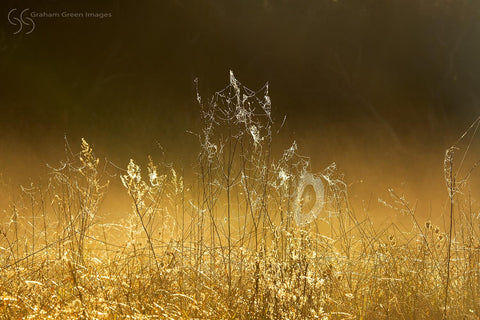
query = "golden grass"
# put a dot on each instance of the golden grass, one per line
(225, 245)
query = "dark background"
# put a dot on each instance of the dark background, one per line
(381, 87)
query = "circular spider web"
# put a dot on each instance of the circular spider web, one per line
(309, 199)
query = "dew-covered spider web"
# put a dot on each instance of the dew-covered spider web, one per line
(309, 199)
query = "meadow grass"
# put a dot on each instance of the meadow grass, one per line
(226, 245)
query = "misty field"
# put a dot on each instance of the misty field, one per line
(252, 235)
